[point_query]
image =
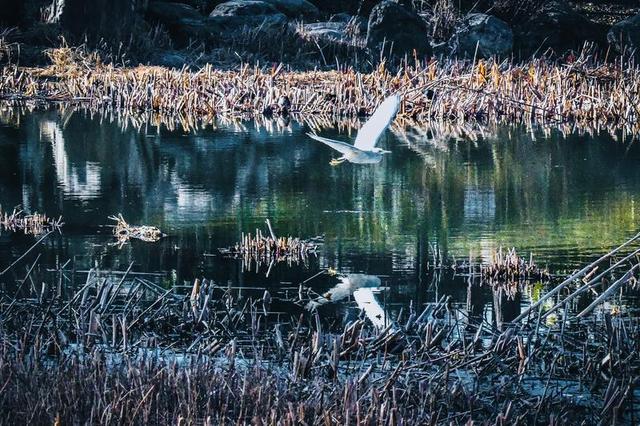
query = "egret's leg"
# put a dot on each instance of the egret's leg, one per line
(337, 161)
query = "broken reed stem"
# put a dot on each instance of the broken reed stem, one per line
(569, 280)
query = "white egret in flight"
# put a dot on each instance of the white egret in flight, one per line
(364, 150)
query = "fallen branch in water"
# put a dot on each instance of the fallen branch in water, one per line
(124, 231)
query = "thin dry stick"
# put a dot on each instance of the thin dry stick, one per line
(570, 279)
(26, 252)
(604, 296)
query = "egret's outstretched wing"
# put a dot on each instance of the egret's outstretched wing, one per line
(341, 147)
(376, 124)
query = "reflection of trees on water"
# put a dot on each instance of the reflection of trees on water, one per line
(81, 181)
(507, 187)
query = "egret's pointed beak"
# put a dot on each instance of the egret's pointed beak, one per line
(336, 161)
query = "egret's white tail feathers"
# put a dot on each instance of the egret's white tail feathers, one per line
(339, 146)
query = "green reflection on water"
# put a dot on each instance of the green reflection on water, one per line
(564, 199)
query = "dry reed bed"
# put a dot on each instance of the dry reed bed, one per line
(584, 91)
(118, 348)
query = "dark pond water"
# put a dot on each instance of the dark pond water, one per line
(565, 199)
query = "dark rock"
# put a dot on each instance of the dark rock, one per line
(557, 26)
(11, 12)
(233, 17)
(203, 6)
(330, 7)
(398, 28)
(295, 8)
(170, 59)
(492, 36)
(172, 13)
(325, 31)
(244, 8)
(224, 27)
(365, 7)
(183, 22)
(513, 12)
(625, 34)
(103, 18)
(356, 25)
(341, 17)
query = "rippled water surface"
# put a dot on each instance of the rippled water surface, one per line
(563, 199)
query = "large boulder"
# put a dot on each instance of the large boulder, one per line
(172, 13)
(203, 6)
(183, 21)
(513, 12)
(351, 7)
(221, 26)
(234, 16)
(490, 35)
(365, 7)
(625, 34)
(244, 8)
(295, 8)
(11, 13)
(399, 29)
(555, 26)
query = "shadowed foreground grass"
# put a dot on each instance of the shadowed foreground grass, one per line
(121, 350)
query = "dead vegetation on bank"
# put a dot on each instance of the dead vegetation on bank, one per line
(584, 90)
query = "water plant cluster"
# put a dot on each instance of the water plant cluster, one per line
(29, 224)
(269, 249)
(124, 231)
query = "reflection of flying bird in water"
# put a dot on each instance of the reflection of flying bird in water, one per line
(364, 150)
(362, 287)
